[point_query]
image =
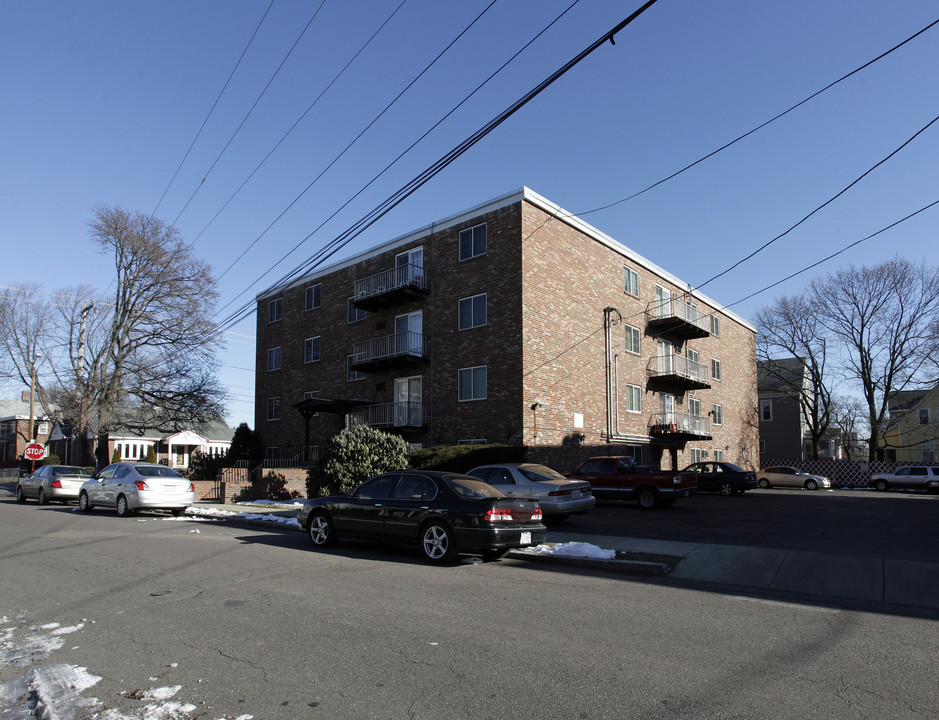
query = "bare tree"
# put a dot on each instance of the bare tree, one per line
(885, 319)
(790, 327)
(849, 419)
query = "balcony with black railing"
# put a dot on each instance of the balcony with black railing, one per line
(678, 318)
(679, 426)
(680, 372)
(397, 414)
(401, 284)
(390, 351)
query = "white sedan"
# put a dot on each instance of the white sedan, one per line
(132, 486)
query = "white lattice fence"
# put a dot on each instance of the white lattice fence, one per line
(842, 473)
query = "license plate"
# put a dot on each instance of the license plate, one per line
(169, 488)
(526, 537)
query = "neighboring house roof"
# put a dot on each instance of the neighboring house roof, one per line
(779, 376)
(19, 410)
(215, 430)
(903, 402)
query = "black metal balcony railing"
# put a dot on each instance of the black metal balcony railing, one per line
(678, 317)
(390, 351)
(397, 414)
(680, 371)
(679, 426)
(398, 285)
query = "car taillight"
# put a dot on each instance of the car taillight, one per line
(499, 514)
(56, 484)
(560, 492)
(141, 485)
(536, 515)
(192, 488)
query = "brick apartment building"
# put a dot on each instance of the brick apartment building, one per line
(511, 322)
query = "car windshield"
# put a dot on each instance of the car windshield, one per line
(157, 471)
(470, 488)
(540, 473)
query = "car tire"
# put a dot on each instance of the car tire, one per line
(41, 497)
(880, 484)
(20, 495)
(123, 509)
(648, 499)
(764, 483)
(494, 553)
(811, 485)
(437, 542)
(726, 489)
(321, 531)
(84, 503)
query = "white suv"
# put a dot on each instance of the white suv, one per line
(914, 477)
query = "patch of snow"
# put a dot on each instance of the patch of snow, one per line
(49, 691)
(573, 549)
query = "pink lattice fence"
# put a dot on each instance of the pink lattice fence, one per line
(842, 473)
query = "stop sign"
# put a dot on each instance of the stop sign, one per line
(35, 451)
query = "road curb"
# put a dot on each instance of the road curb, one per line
(625, 567)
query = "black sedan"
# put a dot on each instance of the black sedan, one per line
(444, 513)
(722, 477)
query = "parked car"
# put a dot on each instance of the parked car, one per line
(557, 496)
(722, 477)
(52, 482)
(913, 477)
(618, 478)
(132, 486)
(784, 476)
(444, 513)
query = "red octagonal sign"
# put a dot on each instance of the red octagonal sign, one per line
(35, 451)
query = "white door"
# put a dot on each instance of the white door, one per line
(408, 334)
(663, 302)
(408, 401)
(667, 408)
(664, 359)
(409, 266)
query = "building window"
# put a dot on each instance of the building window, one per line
(275, 310)
(273, 408)
(354, 314)
(311, 349)
(719, 455)
(42, 428)
(929, 451)
(272, 452)
(273, 359)
(472, 383)
(630, 282)
(472, 312)
(716, 369)
(766, 410)
(762, 447)
(633, 398)
(696, 455)
(350, 373)
(694, 407)
(313, 297)
(717, 415)
(472, 441)
(473, 242)
(633, 336)
(923, 416)
(715, 325)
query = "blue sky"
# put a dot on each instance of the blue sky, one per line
(102, 100)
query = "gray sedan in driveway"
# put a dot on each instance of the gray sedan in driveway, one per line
(131, 486)
(557, 496)
(785, 476)
(52, 482)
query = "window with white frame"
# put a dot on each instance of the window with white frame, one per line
(694, 407)
(766, 410)
(762, 447)
(354, 313)
(630, 281)
(472, 383)
(311, 349)
(273, 408)
(633, 339)
(929, 451)
(42, 428)
(924, 416)
(633, 398)
(313, 296)
(472, 311)
(696, 455)
(473, 242)
(715, 325)
(273, 358)
(351, 373)
(717, 415)
(718, 455)
(275, 310)
(716, 369)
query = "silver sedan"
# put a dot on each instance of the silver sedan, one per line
(557, 496)
(52, 482)
(131, 486)
(784, 476)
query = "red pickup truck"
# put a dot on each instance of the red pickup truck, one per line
(619, 478)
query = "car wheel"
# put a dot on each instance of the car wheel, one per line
(84, 504)
(726, 489)
(20, 495)
(437, 542)
(495, 553)
(763, 483)
(880, 484)
(647, 498)
(811, 485)
(41, 497)
(123, 509)
(321, 531)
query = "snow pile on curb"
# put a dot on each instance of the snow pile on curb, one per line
(573, 549)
